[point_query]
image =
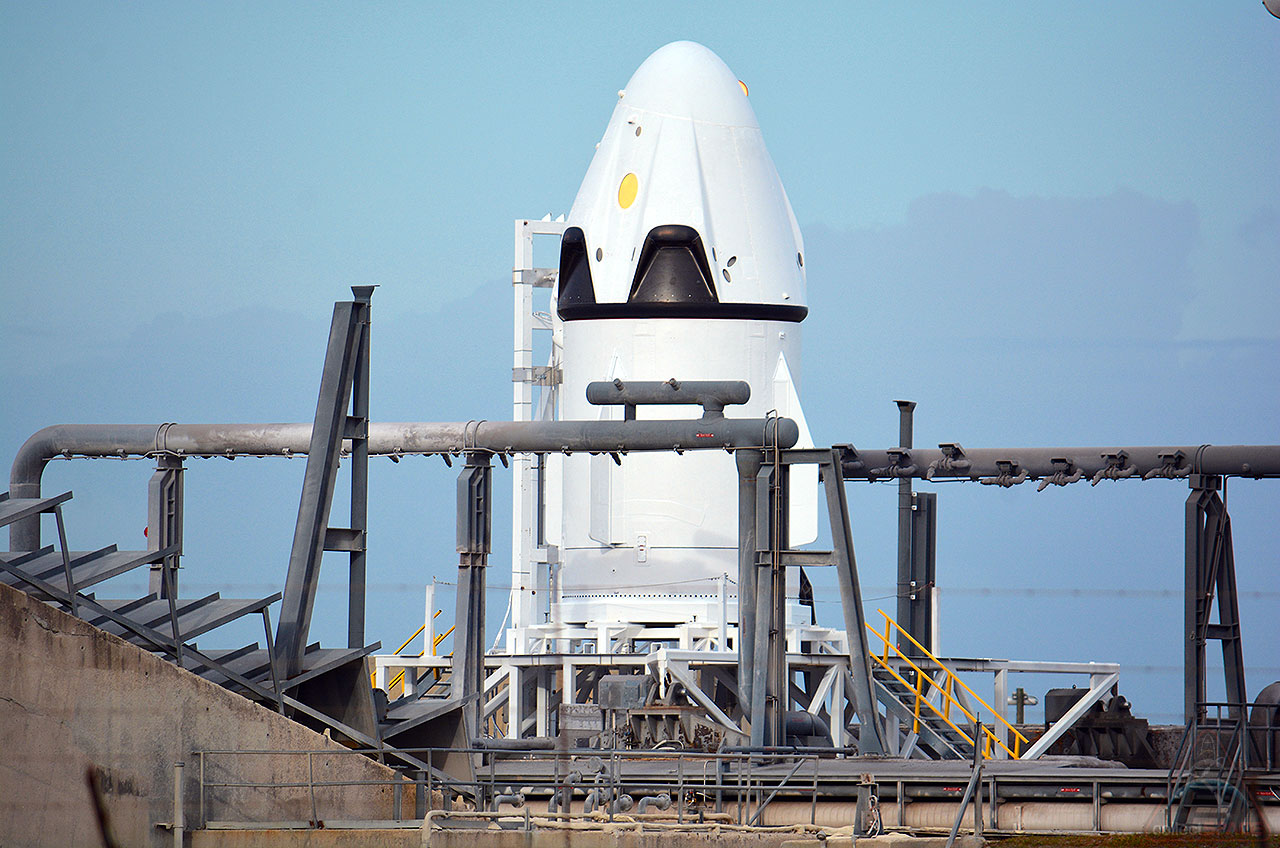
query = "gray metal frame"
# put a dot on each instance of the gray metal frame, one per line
(917, 548)
(164, 523)
(475, 532)
(1209, 558)
(764, 457)
(763, 556)
(1210, 575)
(346, 374)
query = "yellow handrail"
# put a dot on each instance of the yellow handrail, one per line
(435, 644)
(397, 651)
(921, 698)
(945, 690)
(951, 676)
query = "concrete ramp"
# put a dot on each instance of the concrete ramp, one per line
(73, 696)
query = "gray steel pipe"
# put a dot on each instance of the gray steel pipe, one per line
(662, 801)
(906, 597)
(748, 463)
(802, 723)
(595, 797)
(1062, 465)
(515, 799)
(502, 743)
(385, 439)
(712, 395)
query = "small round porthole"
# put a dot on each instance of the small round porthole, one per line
(599, 253)
(732, 259)
(800, 259)
(727, 278)
(637, 130)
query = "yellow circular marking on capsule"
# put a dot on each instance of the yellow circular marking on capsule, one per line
(744, 88)
(627, 191)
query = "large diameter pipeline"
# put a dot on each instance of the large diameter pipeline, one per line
(1063, 464)
(385, 439)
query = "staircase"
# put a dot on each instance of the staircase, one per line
(160, 622)
(1206, 787)
(425, 695)
(929, 701)
(936, 736)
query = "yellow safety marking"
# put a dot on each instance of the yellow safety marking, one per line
(627, 191)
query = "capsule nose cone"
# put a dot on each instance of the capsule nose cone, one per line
(682, 206)
(687, 80)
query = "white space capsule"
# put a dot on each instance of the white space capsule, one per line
(682, 259)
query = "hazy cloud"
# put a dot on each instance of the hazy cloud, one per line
(994, 264)
(1262, 228)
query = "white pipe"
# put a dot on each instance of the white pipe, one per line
(1011, 816)
(179, 814)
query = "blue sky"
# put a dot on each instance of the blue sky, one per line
(1050, 224)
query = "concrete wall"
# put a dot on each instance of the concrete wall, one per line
(72, 696)
(327, 838)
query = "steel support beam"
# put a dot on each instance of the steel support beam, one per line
(164, 523)
(871, 733)
(1210, 574)
(748, 462)
(358, 433)
(923, 569)
(906, 589)
(769, 691)
(760, 641)
(331, 428)
(1101, 686)
(681, 674)
(475, 530)
(778, 696)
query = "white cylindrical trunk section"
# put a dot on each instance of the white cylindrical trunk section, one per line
(659, 526)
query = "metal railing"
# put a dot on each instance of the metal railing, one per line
(506, 786)
(435, 643)
(729, 787)
(1210, 767)
(924, 682)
